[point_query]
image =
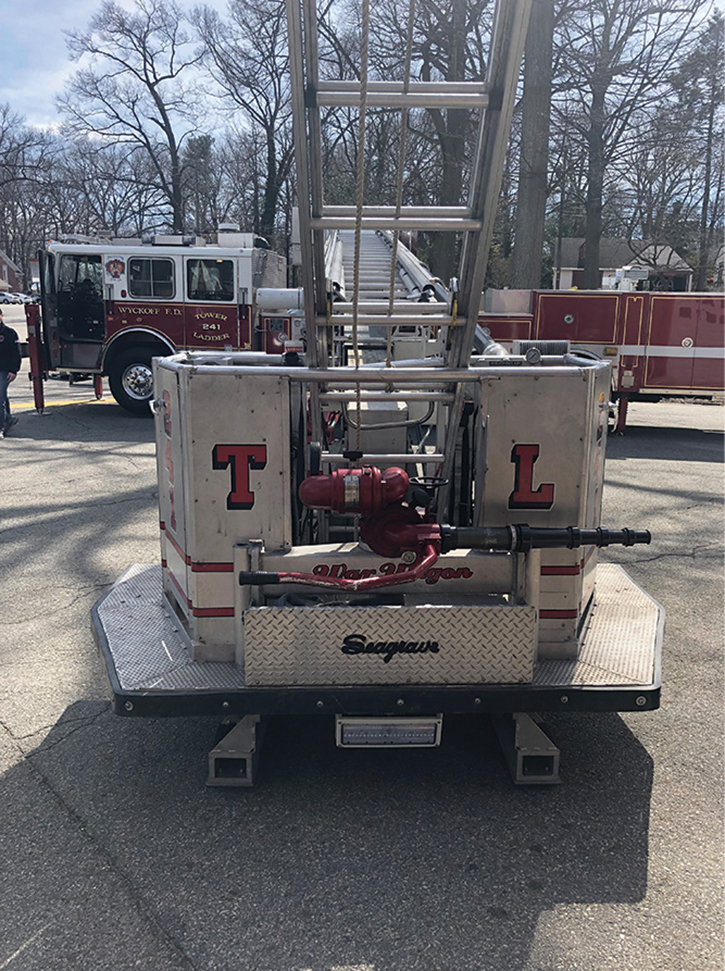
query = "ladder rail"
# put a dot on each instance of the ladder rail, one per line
(507, 46)
(475, 220)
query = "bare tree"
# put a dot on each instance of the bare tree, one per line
(22, 149)
(202, 181)
(248, 57)
(534, 151)
(115, 191)
(699, 85)
(449, 43)
(615, 57)
(134, 92)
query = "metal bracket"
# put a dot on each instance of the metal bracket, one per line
(532, 757)
(233, 760)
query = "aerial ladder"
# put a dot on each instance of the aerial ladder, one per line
(393, 519)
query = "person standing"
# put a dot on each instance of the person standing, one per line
(9, 366)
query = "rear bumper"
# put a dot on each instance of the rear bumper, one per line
(151, 671)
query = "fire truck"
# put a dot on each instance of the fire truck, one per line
(394, 519)
(659, 344)
(110, 307)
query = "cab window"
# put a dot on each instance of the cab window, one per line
(80, 296)
(152, 278)
(81, 274)
(209, 279)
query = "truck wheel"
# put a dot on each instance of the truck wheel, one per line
(131, 380)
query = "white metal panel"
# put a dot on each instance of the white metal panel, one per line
(545, 439)
(238, 462)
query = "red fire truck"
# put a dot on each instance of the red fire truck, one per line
(109, 307)
(659, 343)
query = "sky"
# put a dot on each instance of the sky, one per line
(35, 62)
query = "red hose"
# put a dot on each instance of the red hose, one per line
(430, 555)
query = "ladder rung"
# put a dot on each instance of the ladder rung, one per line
(395, 87)
(382, 320)
(392, 94)
(382, 307)
(439, 212)
(340, 99)
(422, 223)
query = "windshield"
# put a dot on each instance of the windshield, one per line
(210, 279)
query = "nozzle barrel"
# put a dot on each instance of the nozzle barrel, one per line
(520, 537)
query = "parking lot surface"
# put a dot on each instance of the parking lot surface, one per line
(115, 855)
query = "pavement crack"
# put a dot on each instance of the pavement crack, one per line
(84, 722)
(8, 731)
(710, 553)
(67, 605)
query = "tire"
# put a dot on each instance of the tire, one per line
(131, 381)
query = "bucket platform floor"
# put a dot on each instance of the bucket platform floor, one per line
(152, 672)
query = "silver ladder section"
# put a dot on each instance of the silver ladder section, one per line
(494, 98)
(419, 299)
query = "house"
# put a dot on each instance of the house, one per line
(667, 269)
(10, 275)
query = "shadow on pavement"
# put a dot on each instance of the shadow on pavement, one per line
(338, 859)
(668, 444)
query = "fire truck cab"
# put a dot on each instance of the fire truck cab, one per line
(109, 307)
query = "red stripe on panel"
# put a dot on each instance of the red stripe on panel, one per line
(212, 567)
(213, 611)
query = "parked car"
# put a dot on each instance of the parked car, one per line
(8, 297)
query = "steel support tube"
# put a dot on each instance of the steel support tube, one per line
(387, 396)
(367, 374)
(391, 458)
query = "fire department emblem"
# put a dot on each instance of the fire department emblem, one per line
(115, 268)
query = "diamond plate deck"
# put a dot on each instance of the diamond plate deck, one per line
(146, 650)
(331, 645)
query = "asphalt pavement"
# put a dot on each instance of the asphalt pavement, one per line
(115, 855)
